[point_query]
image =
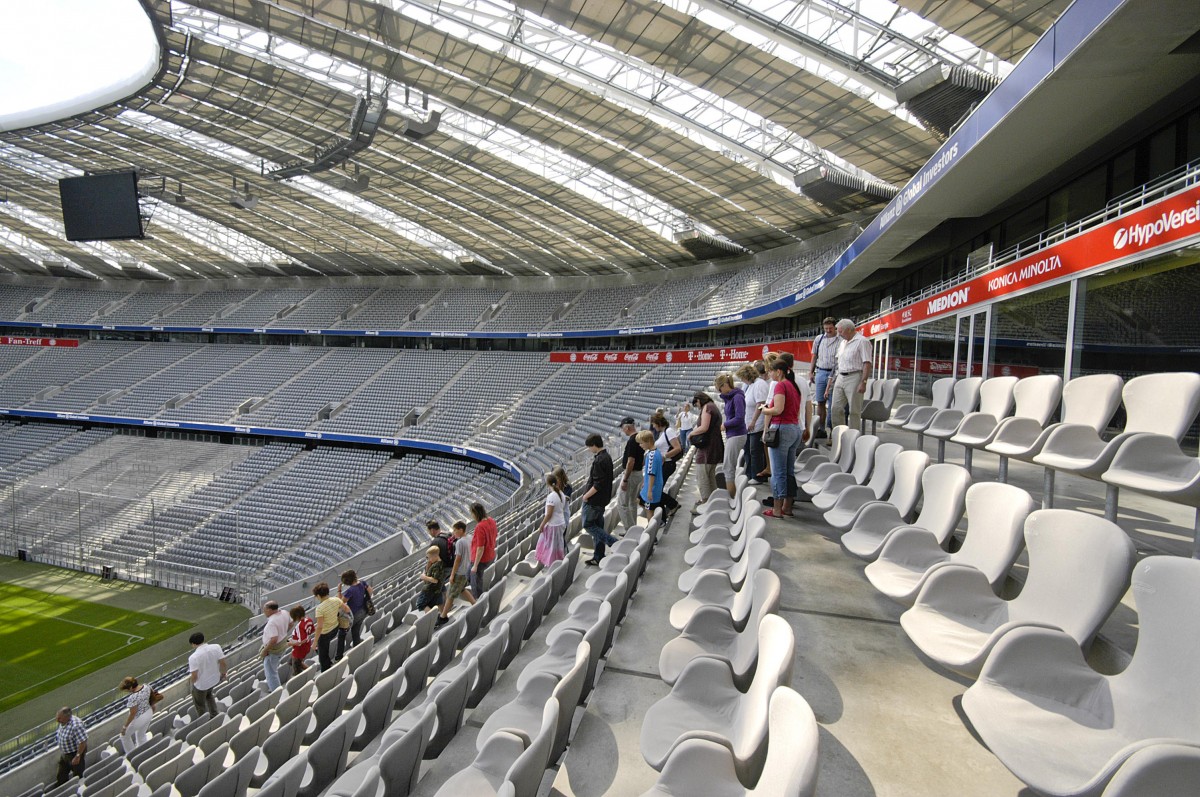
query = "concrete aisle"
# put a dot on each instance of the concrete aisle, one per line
(888, 723)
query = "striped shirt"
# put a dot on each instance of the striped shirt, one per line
(825, 349)
(71, 735)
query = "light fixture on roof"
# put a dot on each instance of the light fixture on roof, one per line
(244, 200)
(344, 181)
(943, 95)
(421, 126)
(841, 191)
(703, 246)
(417, 129)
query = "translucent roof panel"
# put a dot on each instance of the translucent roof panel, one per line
(59, 58)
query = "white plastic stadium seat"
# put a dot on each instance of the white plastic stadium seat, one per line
(704, 767)
(995, 523)
(944, 487)
(905, 491)
(941, 391)
(1079, 568)
(1088, 401)
(995, 403)
(1065, 729)
(1036, 397)
(711, 632)
(1155, 465)
(705, 701)
(883, 471)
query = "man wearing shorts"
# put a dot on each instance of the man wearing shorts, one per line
(459, 572)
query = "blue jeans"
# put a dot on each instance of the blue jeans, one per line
(783, 461)
(683, 436)
(820, 384)
(271, 670)
(593, 524)
(593, 519)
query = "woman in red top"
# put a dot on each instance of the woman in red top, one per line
(784, 412)
(302, 637)
(483, 546)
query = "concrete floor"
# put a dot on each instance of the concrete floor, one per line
(889, 722)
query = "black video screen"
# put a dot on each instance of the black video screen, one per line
(100, 207)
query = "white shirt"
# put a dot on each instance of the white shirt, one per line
(555, 502)
(757, 393)
(663, 442)
(205, 662)
(686, 421)
(277, 627)
(853, 353)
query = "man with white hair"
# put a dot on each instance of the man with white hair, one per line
(853, 370)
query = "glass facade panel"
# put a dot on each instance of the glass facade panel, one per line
(1028, 333)
(1141, 319)
(902, 365)
(935, 356)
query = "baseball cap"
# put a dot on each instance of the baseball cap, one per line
(627, 421)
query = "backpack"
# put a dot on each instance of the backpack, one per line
(445, 550)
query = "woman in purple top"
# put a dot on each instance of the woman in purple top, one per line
(355, 595)
(735, 427)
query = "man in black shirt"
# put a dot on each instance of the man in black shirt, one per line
(444, 545)
(596, 496)
(631, 482)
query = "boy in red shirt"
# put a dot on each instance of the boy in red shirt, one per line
(302, 637)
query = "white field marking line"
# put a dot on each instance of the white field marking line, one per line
(130, 638)
(63, 672)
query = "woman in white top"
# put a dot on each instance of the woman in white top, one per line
(551, 544)
(686, 421)
(670, 444)
(140, 713)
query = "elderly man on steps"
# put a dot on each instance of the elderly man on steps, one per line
(853, 370)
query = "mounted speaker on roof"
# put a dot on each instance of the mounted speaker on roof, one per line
(842, 192)
(943, 95)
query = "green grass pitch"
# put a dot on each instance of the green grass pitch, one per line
(49, 640)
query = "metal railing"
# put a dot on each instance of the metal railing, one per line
(1170, 183)
(99, 534)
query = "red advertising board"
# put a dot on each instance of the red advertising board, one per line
(898, 365)
(1166, 221)
(61, 343)
(728, 355)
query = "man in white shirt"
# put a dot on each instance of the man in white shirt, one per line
(207, 666)
(853, 370)
(274, 643)
(822, 371)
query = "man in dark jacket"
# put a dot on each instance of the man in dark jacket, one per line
(596, 496)
(444, 545)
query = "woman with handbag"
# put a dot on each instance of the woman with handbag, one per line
(710, 448)
(356, 595)
(785, 426)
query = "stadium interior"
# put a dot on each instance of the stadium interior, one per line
(309, 274)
